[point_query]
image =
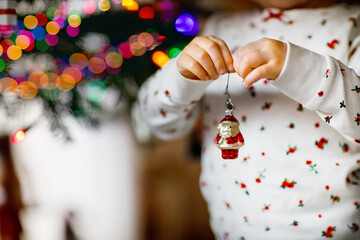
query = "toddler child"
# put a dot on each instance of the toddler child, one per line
(296, 92)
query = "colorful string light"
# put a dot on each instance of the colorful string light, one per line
(41, 31)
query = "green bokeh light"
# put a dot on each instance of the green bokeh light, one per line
(2, 65)
(174, 52)
(50, 12)
(42, 45)
(96, 91)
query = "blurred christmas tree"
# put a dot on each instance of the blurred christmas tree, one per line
(68, 56)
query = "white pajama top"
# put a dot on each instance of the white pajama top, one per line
(298, 174)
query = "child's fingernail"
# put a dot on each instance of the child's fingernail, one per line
(216, 76)
(223, 71)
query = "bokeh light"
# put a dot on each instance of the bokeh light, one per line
(89, 7)
(27, 90)
(18, 137)
(2, 65)
(72, 31)
(66, 82)
(160, 58)
(1, 50)
(124, 49)
(51, 40)
(52, 80)
(79, 60)
(30, 21)
(146, 12)
(52, 27)
(42, 19)
(8, 86)
(41, 45)
(14, 52)
(146, 39)
(96, 65)
(174, 52)
(130, 5)
(39, 79)
(75, 73)
(50, 12)
(22, 41)
(39, 33)
(187, 24)
(74, 20)
(114, 60)
(96, 91)
(104, 5)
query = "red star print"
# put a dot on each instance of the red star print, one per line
(274, 15)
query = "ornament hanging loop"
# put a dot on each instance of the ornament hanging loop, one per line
(229, 111)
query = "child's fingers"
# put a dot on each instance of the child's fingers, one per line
(246, 63)
(213, 49)
(205, 60)
(225, 52)
(257, 74)
(194, 67)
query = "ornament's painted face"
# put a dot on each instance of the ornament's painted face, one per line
(226, 131)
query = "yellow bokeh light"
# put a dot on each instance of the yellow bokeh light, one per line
(146, 39)
(22, 41)
(52, 79)
(96, 65)
(74, 72)
(27, 90)
(130, 5)
(14, 52)
(38, 78)
(1, 50)
(74, 20)
(8, 86)
(160, 58)
(52, 27)
(30, 22)
(114, 60)
(79, 60)
(66, 82)
(104, 5)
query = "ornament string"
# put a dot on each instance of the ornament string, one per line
(229, 105)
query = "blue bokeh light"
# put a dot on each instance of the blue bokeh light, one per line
(187, 24)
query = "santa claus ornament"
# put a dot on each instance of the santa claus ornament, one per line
(229, 139)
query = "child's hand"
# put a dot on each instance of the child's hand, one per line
(204, 58)
(260, 59)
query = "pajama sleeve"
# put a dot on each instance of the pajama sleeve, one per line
(169, 103)
(326, 85)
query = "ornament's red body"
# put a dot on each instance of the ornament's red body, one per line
(229, 139)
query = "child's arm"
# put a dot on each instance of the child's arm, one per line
(318, 82)
(168, 100)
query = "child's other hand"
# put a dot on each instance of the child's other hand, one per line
(260, 59)
(204, 58)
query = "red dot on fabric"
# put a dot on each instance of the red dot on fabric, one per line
(263, 153)
(319, 215)
(308, 162)
(317, 125)
(337, 164)
(258, 180)
(327, 187)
